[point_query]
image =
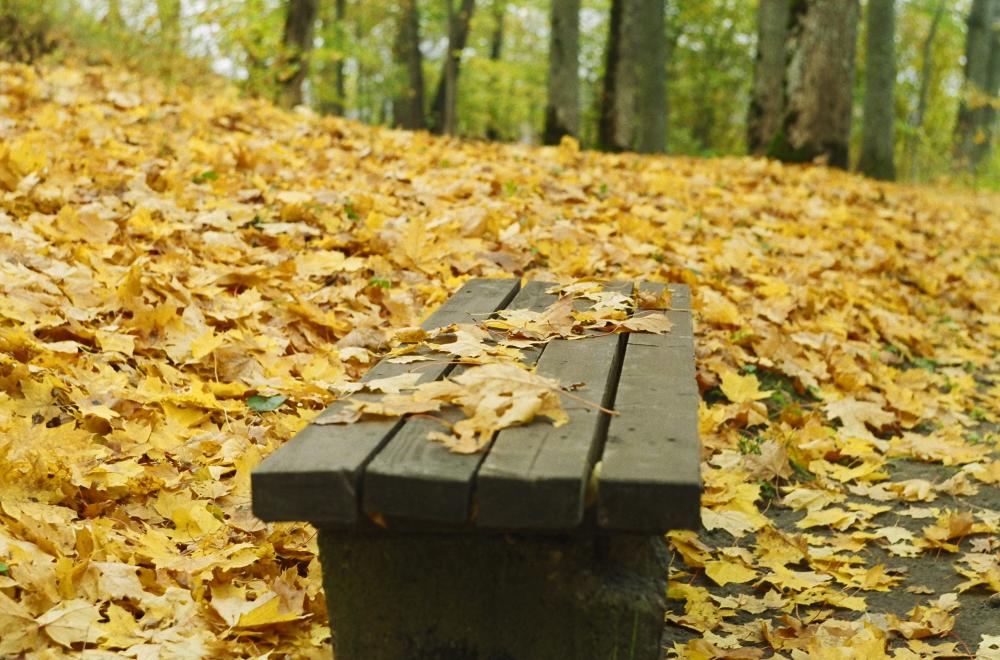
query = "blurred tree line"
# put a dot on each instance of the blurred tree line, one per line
(902, 89)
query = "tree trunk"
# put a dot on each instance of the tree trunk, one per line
(976, 115)
(926, 70)
(363, 108)
(338, 107)
(297, 41)
(450, 76)
(496, 50)
(408, 107)
(496, 42)
(877, 138)
(443, 117)
(634, 98)
(819, 81)
(562, 112)
(767, 103)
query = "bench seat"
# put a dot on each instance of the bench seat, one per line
(598, 491)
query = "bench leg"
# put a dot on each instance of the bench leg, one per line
(494, 597)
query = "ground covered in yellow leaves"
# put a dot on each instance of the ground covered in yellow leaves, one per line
(176, 264)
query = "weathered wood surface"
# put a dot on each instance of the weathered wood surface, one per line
(649, 474)
(412, 477)
(535, 476)
(316, 476)
(494, 597)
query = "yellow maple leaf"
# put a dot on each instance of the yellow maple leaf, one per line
(205, 343)
(725, 572)
(740, 389)
(269, 612)
(834, 517)
(71, 622)
(686, 542)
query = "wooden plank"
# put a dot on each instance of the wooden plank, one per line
(317, 474)
(649, 478)
(680, 295)
(415, 478)
(535, 476)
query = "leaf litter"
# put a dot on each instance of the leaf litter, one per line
(189, 277)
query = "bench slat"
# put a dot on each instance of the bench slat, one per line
(535, 476)
(649, 478)
(315, 476)
(412, 477)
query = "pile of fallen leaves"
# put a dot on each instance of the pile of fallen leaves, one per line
(186, 278)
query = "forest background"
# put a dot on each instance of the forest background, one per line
(534, 70)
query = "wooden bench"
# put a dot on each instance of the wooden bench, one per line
(549, 545)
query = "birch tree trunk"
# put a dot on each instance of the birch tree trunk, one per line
(976, 114)
(562, 111)
(300, 21)
(767, 101)
(878, 137)
(819, 79)
(634, 98)
(408, 107)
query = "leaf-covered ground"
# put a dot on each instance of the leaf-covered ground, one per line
(167, 255)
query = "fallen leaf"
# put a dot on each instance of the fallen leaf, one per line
(726, 572)
(71, 622)
(740, 389)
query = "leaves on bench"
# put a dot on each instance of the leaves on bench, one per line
(493, 396)
(498, 391)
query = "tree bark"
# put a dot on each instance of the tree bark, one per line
(562, 111)
(338, 107)
(877, 137)
(767, 102)
(819, 81)
(496, 51)
(976, 114)
(634, 98)
(297, 41)
(496, 42)
(926, 70)
(443, 108)
(408, 107)
(450, 77)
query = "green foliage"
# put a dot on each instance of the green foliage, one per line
(924, 150)
(259, 403)
(709, 72)
(125, 32)
(250, 40)
(208, 175)
(505, 96)
(749, 444)
(27, 29)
